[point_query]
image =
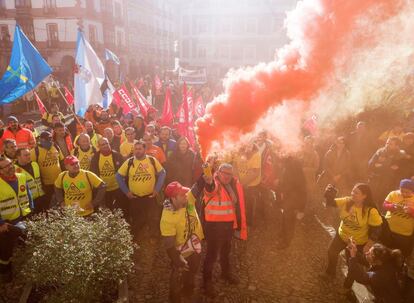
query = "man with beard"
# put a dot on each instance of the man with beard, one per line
(75, 186)
(49, 157)
(23, 136)
(104, 121)
(9, 149)
(92, 135)
(84, 152)
(61, 138)
(25, 165)
(105, 163)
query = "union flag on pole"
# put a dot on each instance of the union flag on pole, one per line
(167, 111)
(140, 83)
(143, 104)
(128, 105)
(185, 127)
(40, 104)
(68, 96)
(157, 85)
(199, 108)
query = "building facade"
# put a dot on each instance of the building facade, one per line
(148, 34)
(152, 34)
(52, 27)
(219, 35)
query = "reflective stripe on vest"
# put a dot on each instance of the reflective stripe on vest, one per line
(34, 182)
(220, 203)
(220, 208)
(219, 211)
(12, 206)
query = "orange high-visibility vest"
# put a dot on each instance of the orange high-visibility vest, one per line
(219, 207)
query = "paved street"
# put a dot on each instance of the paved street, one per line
(267, 274)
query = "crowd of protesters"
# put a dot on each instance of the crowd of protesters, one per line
(160, 182)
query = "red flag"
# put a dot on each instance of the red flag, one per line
(167, 111)
(40, 104)
(184, 126)
(199, 108)
(140, 83)
(191, 107)
(157, 85)
(185, 105)
(121, 95)
(68, 96)
(143, 104)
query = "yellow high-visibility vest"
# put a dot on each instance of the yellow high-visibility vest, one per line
(34, 182)
(12, 205)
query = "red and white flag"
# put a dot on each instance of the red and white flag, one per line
(199, 108)
(40, 104)
(157, 85)
(143, 104)
(122, 97)
(68, 96)
(140, 83)
(185, 127)
(167, 111)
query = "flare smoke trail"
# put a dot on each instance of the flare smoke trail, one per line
(327, 36)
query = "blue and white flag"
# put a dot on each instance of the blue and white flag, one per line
(26, 70)
(108, 90)
(111, 56)
(89, 76)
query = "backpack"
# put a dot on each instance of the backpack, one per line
(76, 151)
(131, 163)
(87, 177)
(37, 150)
(385, 236)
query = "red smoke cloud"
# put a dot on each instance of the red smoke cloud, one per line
(320, 33)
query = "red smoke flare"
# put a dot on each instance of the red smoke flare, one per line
(320, 30)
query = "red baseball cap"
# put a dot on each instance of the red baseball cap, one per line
(70, 160)
(174, 189)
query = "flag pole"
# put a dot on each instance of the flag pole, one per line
(67, 103)
(36, 95)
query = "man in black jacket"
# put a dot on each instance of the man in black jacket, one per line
(105, 164)
(293, 196)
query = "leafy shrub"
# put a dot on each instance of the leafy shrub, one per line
(77, 259)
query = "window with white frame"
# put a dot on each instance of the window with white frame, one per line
(93, 36)
(49, 4)
(23, 3)
(249, 53)
(52, 34)
(119, 38)
(4, 32)
(118, 10)
(224, 51)
(201, 51)
(202, 26)
(251, 25)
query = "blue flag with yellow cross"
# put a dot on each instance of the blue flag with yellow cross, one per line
(26, 70)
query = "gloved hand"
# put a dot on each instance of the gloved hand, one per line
(330, 192)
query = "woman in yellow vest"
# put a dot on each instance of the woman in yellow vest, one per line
(31, 169)
(15, 205)
(360, 222)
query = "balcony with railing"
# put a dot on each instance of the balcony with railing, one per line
(53, 44)
(50, 10)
